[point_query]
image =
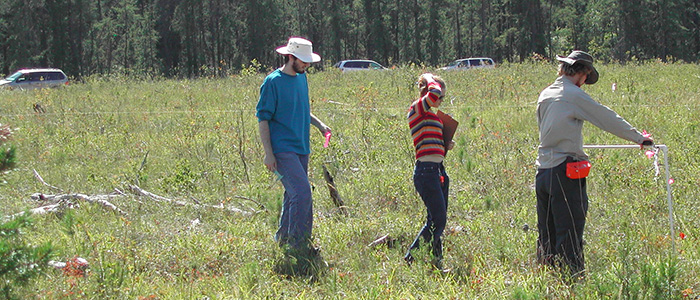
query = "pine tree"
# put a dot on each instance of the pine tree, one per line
(19, 262)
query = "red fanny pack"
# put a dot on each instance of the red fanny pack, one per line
(578, 169)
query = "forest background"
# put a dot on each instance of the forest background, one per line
(194, 142)
(191, 38)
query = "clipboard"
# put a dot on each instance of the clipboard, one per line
(449, 127)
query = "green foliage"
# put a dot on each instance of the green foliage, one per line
(8, 158)
(7, 155)
(20, 262)
(252, 69)
(659, 279)
(110, 278)
(182, 179)
(214, 38)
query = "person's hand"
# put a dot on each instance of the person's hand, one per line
(648, 141)
(270, 162)
(324, 129)
(450, 145)
(428, 78)
(423, 81)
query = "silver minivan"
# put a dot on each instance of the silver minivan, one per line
(358, 64)
(27, 79)
(470, 63)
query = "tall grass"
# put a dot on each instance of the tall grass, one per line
(197, 141)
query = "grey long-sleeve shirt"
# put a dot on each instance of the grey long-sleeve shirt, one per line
(561, 110)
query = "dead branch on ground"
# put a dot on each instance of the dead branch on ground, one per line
(63, 201)
(38, 211)
(252, 200)
(384, 240)
(139, 191)
(335, 196)
(381, 240)
(38, 177)
(102, 200)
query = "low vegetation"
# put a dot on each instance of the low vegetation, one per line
(196, 142)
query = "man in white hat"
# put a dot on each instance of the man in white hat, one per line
(562, 202)
(284, 116)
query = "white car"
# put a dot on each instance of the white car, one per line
(358, 64)
(27, 79)
(470, 63)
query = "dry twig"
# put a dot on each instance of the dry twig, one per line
(38, 177)
(381, 240)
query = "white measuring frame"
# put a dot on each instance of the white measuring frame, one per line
(664, 149)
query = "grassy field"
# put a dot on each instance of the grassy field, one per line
(196, 141)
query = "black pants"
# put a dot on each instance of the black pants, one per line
(433, 185)
(562, 204)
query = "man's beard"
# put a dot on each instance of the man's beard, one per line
(298, 69)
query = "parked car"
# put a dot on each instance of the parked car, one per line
(470, 63)
(358, 64)
(27, 79)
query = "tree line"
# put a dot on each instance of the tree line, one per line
(190, 38)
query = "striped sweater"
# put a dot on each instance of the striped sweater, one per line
(426, 127)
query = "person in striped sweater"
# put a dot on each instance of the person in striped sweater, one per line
(429, 177)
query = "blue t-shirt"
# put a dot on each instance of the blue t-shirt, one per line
(284, 103)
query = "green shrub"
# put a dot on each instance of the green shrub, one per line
(19, 261)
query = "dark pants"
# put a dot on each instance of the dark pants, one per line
(562, 204)
(433, 185)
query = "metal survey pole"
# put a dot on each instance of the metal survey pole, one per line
(664, 149)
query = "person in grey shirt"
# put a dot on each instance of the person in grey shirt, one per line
(562, 202)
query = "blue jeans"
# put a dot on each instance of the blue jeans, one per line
(433, 185)
(296, 218)
(562, 205)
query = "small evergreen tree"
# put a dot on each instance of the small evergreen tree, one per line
(7, 155)
(19, 261)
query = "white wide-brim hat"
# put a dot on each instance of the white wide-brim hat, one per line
(301, 48)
